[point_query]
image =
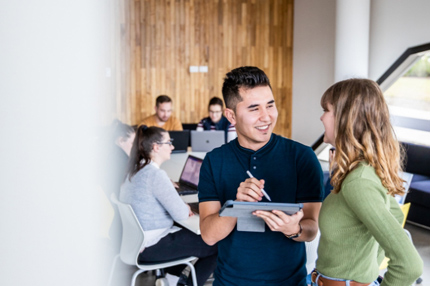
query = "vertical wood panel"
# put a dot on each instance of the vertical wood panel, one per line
(166, 37)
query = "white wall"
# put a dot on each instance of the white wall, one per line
(53, 56)
(313, 65)
(395, 25)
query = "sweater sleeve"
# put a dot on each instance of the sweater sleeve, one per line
(231, 133)
(398, 214)
(168, 197)
(200, 126)
(368, 201)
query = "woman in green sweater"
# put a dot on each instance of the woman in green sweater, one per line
(360, 220)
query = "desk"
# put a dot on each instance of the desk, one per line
(192, 223)
(173, 168)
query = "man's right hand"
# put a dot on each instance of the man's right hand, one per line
(250, 190)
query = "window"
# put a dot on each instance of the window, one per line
(408, 97)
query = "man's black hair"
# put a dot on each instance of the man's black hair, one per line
(216, 101)
(243, 77)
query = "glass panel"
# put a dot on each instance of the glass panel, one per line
(409, 98)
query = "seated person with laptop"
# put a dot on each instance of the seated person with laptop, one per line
(163, 115)
(156, 203)
(216, 120)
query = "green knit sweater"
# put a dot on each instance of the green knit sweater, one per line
(354, 223)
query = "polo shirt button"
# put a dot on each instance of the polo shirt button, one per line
(255, 158)
(255, 167)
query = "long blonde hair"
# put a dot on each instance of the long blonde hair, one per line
(363, 133)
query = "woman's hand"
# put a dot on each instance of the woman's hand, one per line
(174, 184)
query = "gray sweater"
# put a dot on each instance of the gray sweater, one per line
(153, 198)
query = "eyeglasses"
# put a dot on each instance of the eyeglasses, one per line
(170, 142)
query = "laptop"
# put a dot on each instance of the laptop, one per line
(180, 140)
(205, 141)
(189, 178)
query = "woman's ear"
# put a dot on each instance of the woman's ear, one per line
(155, 148)
(229, 113)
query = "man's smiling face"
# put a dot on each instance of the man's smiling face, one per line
(255, 117)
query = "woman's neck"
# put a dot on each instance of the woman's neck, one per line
(157, 160)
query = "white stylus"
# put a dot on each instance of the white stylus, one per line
(264, 192)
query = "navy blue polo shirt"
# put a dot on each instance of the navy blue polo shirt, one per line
(292, 174)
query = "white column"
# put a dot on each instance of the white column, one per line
(352, 39)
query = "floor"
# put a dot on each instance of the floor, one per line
(420, 236)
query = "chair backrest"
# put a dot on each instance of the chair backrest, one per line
(311, 252)
(132, 233)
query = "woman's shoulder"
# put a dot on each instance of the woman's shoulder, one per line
(363, 178)
(363, 171)
(151, 171)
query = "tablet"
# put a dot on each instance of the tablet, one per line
(246, 221)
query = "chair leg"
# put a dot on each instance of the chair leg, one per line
(193, 273)
(133, 279)
(112, 269)
(159, 272)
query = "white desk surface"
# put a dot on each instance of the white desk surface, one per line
(173, 168)
(191, 223)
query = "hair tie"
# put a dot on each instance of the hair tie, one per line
(144, 127)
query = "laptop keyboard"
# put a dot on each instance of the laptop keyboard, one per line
(185, 190)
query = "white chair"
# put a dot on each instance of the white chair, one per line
(133, 239)
(311, 252)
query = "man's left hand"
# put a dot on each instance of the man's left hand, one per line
(280, 221)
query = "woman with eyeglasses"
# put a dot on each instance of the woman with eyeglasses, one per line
(157, 205)
(217, 120)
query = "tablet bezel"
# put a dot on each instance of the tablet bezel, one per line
(231, 207)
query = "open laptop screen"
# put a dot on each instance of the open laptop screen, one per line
(180, 140)
(190, 173)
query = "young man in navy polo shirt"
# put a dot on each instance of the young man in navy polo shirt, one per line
(288, 171)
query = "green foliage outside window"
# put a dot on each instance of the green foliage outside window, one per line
(421, 68)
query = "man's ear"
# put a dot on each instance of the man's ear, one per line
(231, 116)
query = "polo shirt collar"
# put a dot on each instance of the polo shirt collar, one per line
(266, 148)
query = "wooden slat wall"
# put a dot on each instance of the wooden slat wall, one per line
(169, 36)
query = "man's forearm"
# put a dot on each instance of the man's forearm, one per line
(214, 228)
(309, 222)
(309, 230)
